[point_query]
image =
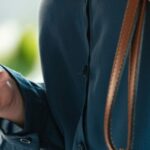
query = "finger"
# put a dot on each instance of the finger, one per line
(6, 96)
(5, 80)
(4, 76)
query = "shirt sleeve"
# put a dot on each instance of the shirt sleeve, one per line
(38, 119)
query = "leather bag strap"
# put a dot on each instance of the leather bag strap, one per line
(129, 44)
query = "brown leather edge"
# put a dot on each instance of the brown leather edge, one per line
(126, 30)
(133, 73)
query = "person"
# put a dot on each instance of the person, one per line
(77, 46)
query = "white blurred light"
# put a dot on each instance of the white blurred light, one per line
(9, 37)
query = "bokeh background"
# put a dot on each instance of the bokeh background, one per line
(19, 48)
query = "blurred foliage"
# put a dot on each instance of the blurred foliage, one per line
(25, 55)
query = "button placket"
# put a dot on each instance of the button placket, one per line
(85, 71)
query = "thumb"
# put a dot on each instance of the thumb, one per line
(11, 102)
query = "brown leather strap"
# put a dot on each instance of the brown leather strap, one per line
(134, 63)
(130, 20)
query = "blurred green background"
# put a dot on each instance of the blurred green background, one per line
(19, 47)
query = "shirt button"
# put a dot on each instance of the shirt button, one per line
(25, 140)
(85, 71)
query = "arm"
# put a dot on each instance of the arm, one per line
(30, 125)
(25, 117)
(11, 101)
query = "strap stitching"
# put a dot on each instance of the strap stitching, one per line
(116, 58)
(135, 83)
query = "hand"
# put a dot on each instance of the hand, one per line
(11, 102)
